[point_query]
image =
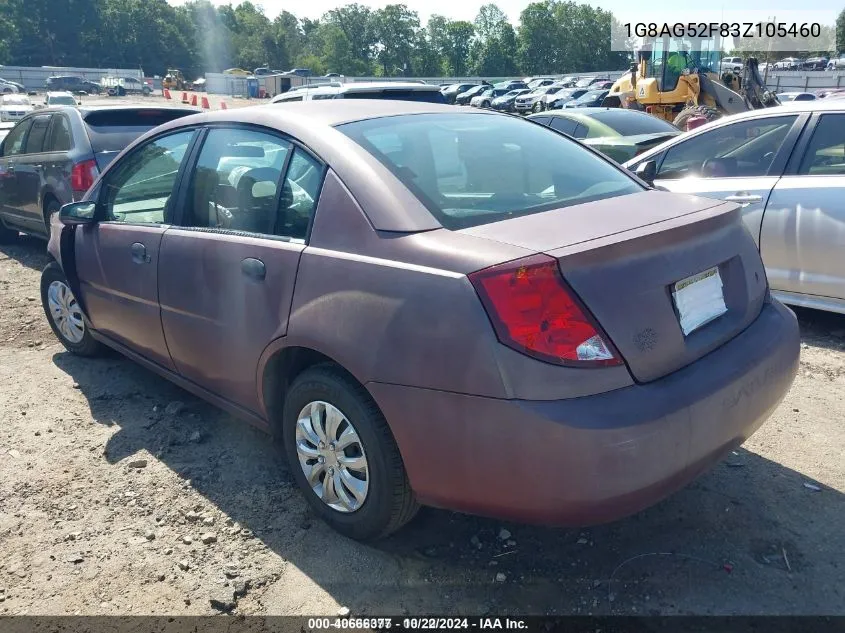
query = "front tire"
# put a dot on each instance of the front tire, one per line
(65, 315)
(343, 456)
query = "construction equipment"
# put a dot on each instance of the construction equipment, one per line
(174, 80)
(677, 79)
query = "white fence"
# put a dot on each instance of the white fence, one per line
(34, 78)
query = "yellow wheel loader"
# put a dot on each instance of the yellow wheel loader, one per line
(677, 79)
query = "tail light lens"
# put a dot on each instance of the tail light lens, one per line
(83, 175)
(534, 312)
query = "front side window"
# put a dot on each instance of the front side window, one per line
(473, 169)
(138, 190)
(826, 154)
(742, 149)
(13, 144)
(236, 183)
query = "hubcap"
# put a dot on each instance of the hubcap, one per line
(65, 312)
(332, 457)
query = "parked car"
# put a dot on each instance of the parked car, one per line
(332, 75)
(393, 90)
(587, 82)
(618, 133)
(506, 102)
(133, 85)
(815, 63)
(539, 82)
(786, 167)
(590, 99)
(14, 107)
(732, 64)
(302, 72)
(53, 155)
(837, 63)
(587, 337)
(53, 99)
(788, 63)
(71, 83)
(464, 97)
(7, 87)
(569, 81)
(562, 97)
(533, 101)
(484, 99)
(829, 92)
(786, 97)
(451, 92)
(514, 84)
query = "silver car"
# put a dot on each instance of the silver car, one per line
(785, 166)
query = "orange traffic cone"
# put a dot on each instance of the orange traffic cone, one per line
(194, 100)
(223, 105)
(184, 97)
(205, 105)
(166, 93)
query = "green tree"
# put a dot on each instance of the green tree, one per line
(840, 32)
(357, 25)
(539, 38)
(459, 40)
(396, 27)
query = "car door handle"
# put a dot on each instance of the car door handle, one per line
(139, 253)
(254, 268)
(744, 197)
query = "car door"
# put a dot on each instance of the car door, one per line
(738, 162)
(29, 171)
(117, 258)
(228, 270)
(803, 236)
(13, 146)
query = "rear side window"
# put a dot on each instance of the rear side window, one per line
(113, 130)
(741, 149)
(13, 144)
(826, 154)
(562, 124)
(471, 169)
(35, 140)
(423, 96)
(631, 122)
(59, 137)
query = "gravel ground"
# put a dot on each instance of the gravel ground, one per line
(120, 493)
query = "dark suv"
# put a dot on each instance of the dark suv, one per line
(72, 84)
(53, 156)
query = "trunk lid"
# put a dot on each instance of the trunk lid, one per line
(622, 257)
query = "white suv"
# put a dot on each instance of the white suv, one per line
(733, 64)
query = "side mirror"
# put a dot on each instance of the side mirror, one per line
(647, 171)
(78, 213)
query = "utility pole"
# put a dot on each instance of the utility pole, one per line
(768, 54)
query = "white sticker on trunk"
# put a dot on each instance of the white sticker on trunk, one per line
(699, 299)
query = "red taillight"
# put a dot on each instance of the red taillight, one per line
(534, 312)
(83, 175)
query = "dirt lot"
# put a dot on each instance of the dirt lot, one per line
(120, 493)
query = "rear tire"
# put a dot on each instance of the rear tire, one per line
(64, 315)
(388, 501)
(711, 114)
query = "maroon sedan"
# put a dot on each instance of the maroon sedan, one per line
(430, 306)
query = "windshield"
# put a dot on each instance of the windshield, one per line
(62, 100)
(513, 93)
(474, 169)
(583, 83)
(16, 100)
(631, 123)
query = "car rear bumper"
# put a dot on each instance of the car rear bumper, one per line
(599, 458)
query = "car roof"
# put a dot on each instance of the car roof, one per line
(59, 93)
(373, 86)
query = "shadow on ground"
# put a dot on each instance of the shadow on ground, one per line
(28, 251)
(719, 546)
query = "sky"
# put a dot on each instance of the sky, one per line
(640, 10)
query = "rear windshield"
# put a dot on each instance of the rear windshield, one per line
(425, 96)
(112, 130)
(631, 122)
(471, 169)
